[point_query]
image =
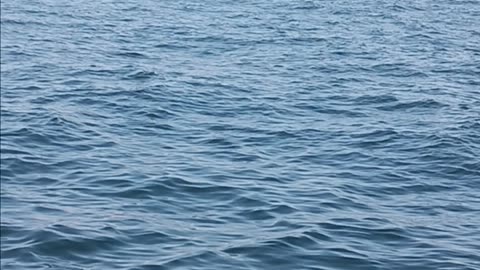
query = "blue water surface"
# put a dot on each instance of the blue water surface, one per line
(266, 134)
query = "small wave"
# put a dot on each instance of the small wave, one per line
(141, 75)
(420, 105)
(331, 111)
(369, 100)
(131, 54)
(156, 114)
(172, 46)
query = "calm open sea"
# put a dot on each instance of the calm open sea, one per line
(268, 134)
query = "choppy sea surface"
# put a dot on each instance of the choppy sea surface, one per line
(240, 134)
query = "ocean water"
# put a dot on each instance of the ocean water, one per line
(240, 134)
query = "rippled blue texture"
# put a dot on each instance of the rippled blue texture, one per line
(266, 134)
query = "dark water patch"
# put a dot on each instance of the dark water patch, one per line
(131, 54)
(141, 75)
(330, 111)
(171, 46)
(369, 100)
(421, 104)
(155, 114)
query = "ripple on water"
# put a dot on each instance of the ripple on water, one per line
(240, 135)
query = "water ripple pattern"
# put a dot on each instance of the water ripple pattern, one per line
(248, 134)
